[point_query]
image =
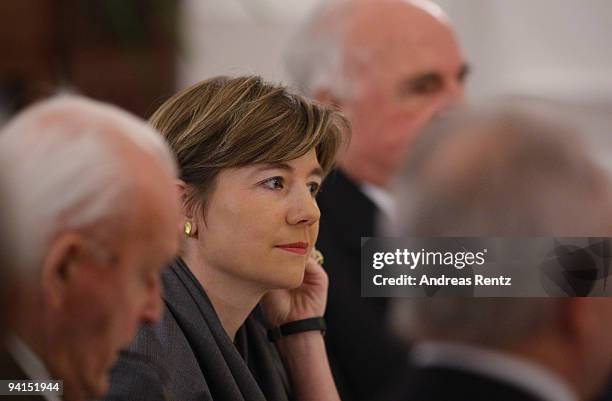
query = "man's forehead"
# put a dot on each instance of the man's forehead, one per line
(396, 29)
(401, 60)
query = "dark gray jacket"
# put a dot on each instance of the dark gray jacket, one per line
(188, 356)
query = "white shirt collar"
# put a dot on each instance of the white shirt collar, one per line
(31, 364)
(501, 366)
(382, 198)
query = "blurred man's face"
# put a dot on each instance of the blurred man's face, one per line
(111, 289)
(401, 75)
(104, 311)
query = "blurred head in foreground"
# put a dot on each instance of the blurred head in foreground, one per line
(98, 218)
(525, 168)
(390, 65)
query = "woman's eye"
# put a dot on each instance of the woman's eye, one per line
(314, 188)
(273, 183)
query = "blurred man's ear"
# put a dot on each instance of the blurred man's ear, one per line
(327, 97)
(60, 266)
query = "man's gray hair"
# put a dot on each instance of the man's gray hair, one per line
(63, 164)
(313, 57)
(525, 168)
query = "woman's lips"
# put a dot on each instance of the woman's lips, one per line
(299, 248)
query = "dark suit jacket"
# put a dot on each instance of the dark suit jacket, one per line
(445, 384)
(606, 394)
(188, 356)
(368, 362)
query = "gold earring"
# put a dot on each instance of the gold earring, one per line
(187, 228)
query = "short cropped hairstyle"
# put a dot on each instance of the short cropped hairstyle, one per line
(64, 170)
(234, 122)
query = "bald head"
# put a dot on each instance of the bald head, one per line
(341, 28)
(526, 167)
(375, 25)
(390, 65)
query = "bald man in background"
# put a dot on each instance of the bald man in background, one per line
(391, 66)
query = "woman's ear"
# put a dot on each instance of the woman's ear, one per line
(189, 225)
(181, 189)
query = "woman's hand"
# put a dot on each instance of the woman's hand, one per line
(307, 300)
(303, 354)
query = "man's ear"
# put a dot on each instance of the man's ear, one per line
(189, 214)
(327, 97)
(59, 267)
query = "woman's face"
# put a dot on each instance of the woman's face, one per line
(261, 222)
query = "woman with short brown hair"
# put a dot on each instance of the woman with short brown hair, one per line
(252, 157)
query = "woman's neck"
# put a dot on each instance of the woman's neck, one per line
(232, 298)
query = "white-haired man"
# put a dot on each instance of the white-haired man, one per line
(391, 66)
(98, 218)
(516, 173)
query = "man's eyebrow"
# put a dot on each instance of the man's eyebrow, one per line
(286, 167)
